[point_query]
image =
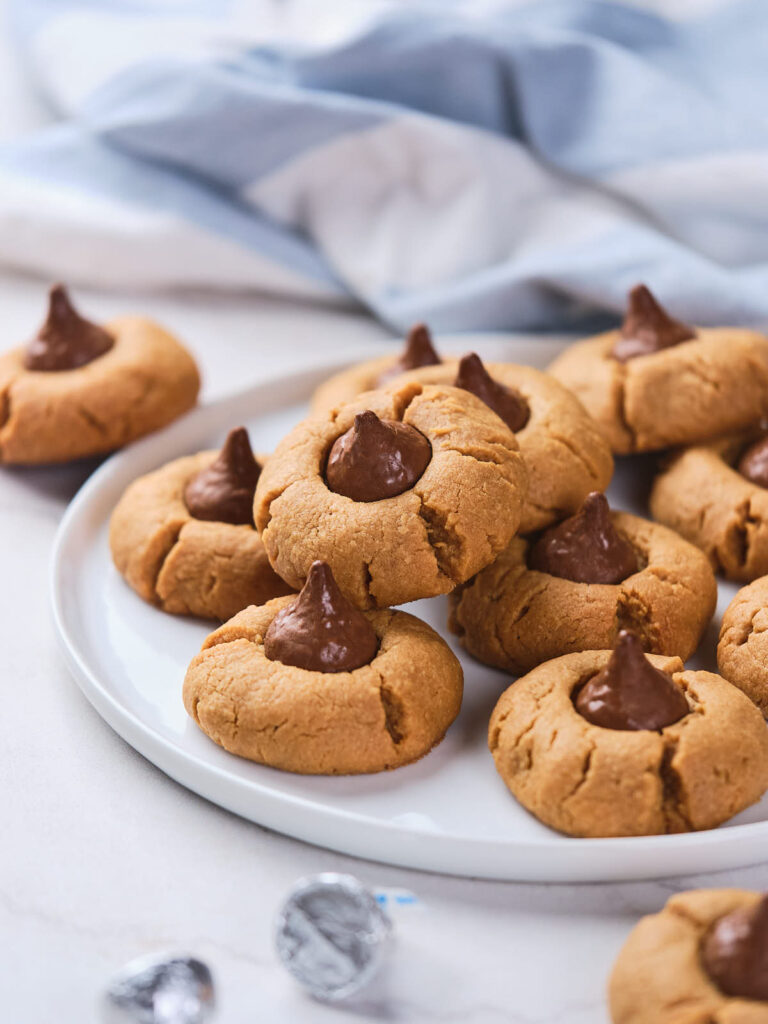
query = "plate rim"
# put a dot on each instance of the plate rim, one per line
(415, 847)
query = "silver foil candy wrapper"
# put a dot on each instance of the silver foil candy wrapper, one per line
(160, 990)
(332, 935)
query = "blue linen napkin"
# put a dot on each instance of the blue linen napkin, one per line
(476, 165)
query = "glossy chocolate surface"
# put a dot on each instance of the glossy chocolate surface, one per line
(735, 953)
(507, 403)
(66, 340)
(376, 459)
(223, 492)
(586, 548)
(647, 327)
(321, 631)
(629, 693)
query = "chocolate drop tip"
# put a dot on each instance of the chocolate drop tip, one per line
(367, 418)
(419, 331)
(629, 645)
(419, 348)
(472, 376)
(640, 295)
(60, 304)
(321, 572)
(237, 448)
(595, 507)
(321, 581)
(595, 499)
(471, 360)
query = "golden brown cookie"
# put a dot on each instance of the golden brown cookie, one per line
(702, 496)
(684, 392)
(453, 520)
(184, 565)
(514, 617)
(660, 975)
(742, 649)
(140, 379)
(564, 451)
(585, 780)
(382, 715)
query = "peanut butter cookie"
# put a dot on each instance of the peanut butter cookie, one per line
(656, 383)
(576, 585)
(79, 389)
(312, 685)
(404, 492)
(702, 960)
(742, 649)
(621, 743)
(717, 498)
(563, 449)
(183, 536)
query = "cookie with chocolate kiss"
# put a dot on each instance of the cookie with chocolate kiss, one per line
(716, 496)
(405, 493)
(706, 951)
(620, 743)
(310, 684)
(81, 389)
(658, 383)
(574, 587)
(183, 536)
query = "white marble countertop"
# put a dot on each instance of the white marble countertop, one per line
(103, 858)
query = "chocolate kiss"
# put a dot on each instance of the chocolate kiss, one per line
(585, 548)
(66, 340)
(753, 464)
(223, 492)
(507, 403)
(647, 327)
(418, 351)
(376, 459)
(629, 693)
(735, 952)
(321, 631)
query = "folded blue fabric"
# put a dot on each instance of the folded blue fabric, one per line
(477, 165)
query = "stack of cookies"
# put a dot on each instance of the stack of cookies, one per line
(417, 476)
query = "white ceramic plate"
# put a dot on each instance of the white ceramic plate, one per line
(450, 812)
